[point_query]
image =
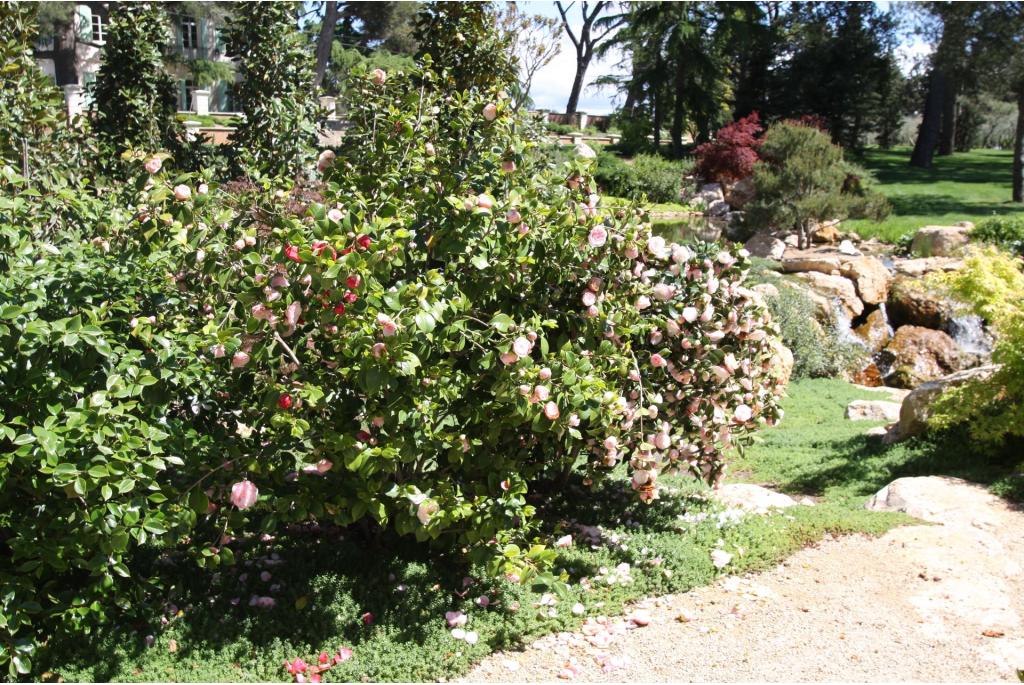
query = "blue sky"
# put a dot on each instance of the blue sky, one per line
(551, 84)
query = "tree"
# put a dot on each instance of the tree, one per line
(276, 90)
(134, 101)
(534, 41)
(586, 42)
(325, 40)
(464, 45)
(802, 179)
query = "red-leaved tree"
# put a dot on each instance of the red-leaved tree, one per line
(732, 154)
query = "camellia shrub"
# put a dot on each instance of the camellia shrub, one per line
(443, 324)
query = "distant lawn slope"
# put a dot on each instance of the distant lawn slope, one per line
(966, 186)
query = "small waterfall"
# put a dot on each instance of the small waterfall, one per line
(843, 324)
(968, 331)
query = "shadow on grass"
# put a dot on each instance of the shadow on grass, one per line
(861, 466)
(323, 584)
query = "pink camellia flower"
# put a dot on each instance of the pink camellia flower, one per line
(597, 237)
(742, 414)
(508, 358)
(663, 441)
(490, 111)
(203, 189)
(244, 494)
(378, 76)
(690, 314)
(324, 465)
(594, 284)
(318, 247)
(262, 312)
(664, 292)
(574, 420)
(239, 359)
(589, 298)
(656, 246)
(523, 229)
(182, 192)
(593, 311)
(325, 160)
(525, 389)
(388, 327)
(631, 252)
(292, 314)
(455, 618)
(335, 215)
(551, 411)
(508, 166)
(680, 254)
(725, 258)
(239, 244)
(563, 542)
(153, 165)
(429, 149)
(672, 328)
(279, 281)
(544, 373)
(541, 393)
(292, 253)
(218, 351)
(484, 201)
(643, 302)
(377, 421)
(483, 601)
(250, 240)
(378, 349)
(611, 443)
(426, 510)
(513, 216)
(657, 361)
(344, 654)
(522, 347)
(709, 311)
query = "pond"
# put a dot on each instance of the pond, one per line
(687, 228)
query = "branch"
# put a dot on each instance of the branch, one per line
(565, 22)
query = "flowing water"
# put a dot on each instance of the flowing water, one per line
(968, 331)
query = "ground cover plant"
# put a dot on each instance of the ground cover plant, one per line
(966, 186)
(328, 581)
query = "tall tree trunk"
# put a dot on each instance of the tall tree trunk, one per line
(325, 41)
(659, 117)
(947, 135)
(1018, 151)
(582, 62)
(931, 121)
(679, 108)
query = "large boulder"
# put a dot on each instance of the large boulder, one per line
(740, 193)
(939, 241)
(766, 246)
(875, 331)
(939, 499)
(919, 355)
(835, 288)
(826, 232)
(912, 302)
(782, 362)
(925, 265)
(584, 151)
(916, 406)
(873, 410)
(752, 498)
(869, 275)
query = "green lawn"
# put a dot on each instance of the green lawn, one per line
(966, 186)
(328, 580)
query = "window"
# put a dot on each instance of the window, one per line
(97, 28)
(189, 33)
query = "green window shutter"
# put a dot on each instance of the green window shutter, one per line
(182, 95)
(178, 38)
(204, 53)
(84, 16)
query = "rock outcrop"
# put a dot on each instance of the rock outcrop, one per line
(766, 246)
(835, 287)
(939, 241)
(873, 410)
(868, 274)
(920, 355)
(875, 331)
(916, 406)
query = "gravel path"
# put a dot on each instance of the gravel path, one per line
(932, 603)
